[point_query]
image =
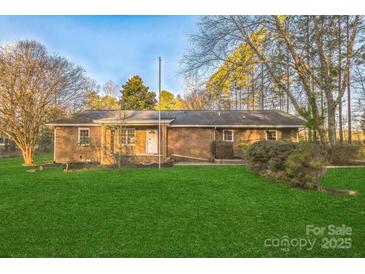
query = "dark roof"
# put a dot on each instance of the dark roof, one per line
(189, 117)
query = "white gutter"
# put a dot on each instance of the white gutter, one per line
(73, 125)
(134, 122)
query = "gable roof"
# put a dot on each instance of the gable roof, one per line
(186, 118)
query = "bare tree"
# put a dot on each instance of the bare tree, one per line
(110, 88)
(198, 99)
(34, 84)
(305, 44)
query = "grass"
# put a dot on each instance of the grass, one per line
(200, 211)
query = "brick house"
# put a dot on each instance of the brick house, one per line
(100, 135)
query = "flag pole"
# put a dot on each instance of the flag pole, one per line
(159, 112)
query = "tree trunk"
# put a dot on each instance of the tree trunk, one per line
(339, 80)
(28, 153)
(262, 87)
(321, 133)
(331, 123)
(348, 86)
(340, 121)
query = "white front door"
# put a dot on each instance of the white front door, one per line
(151, 142)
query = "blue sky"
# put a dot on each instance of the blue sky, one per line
(111, 47)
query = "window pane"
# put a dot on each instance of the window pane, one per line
(84, 136)
(123, 136)
(131, 136)
(127, 136)
(228, 135)
(271, 135)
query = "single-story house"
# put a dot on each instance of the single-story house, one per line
(100, 135)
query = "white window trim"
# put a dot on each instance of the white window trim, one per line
(276, 134)
(224, 140)
(82, 128)
(135, 137)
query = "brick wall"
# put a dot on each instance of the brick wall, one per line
(68, 149)
(138, 149)
(250, 136)
(193, 142)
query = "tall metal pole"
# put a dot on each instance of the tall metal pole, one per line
(348, 84)
(159, 112)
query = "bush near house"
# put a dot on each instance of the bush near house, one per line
(267, 157)
(361, 154)
(344, 154)
(299, 165)
(304, 166)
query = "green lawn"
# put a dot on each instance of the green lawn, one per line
(211, 211)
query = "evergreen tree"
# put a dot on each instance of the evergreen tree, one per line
(136, 96)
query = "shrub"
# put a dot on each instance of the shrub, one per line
(305, 165)
(342, 154)
(243, 149)
(296, 164)
(257, 156)
(268, 156)
(222, 150)
(361, 154)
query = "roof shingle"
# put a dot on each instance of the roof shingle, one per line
(189, 117)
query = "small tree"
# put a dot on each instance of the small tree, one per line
(169, 101)
(93, 99)
(136, 96)
(33, 84)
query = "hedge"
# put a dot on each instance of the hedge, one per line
(296, 164)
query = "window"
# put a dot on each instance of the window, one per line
(271, 135)
(2, 140)
(84, 136)
(128, 136)
(228, 135)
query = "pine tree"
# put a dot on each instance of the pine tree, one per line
(136, 96)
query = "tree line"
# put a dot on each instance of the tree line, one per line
(312, 66)
(133, 95)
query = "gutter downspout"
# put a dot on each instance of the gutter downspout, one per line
(54, 143)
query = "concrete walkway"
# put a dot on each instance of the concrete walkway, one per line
(345, 166)
(206, 164)
(240, 164)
